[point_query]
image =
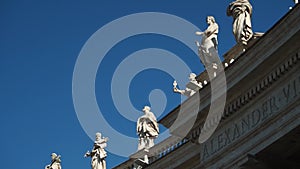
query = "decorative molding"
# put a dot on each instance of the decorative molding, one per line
(248, 96)
(156, 152)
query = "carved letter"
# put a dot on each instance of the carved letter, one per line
(227, 134)
(273, 105)
(245, 124)
(295, 88)
(255, 117)
(213, 151)
(286, 92)
(265, 110)
(236, 132)
(205, 152)
(220, 141)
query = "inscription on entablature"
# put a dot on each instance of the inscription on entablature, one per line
(252, 119)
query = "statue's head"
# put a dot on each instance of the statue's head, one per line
(146, 109)
(98, 135)
(210, 19)
(53, 156)
(192, 76)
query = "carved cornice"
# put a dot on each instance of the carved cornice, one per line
(261, 86)
(279, 46)
(282, 32)
(253, 92)
(272, 46)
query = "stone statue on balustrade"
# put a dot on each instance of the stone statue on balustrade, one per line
(191, 88)
(98, 153)
(241, 11)
(55, 162)
(147, 129)
(296, 2)
(208, 49)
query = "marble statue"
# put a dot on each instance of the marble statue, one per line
(55, 162)
(208, 49)
(192, 87)
(98, 154)
(147, 129)
(241, 11)
(211, 32)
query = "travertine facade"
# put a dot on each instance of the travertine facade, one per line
(261, 122)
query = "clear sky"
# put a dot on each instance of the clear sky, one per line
(40, 42)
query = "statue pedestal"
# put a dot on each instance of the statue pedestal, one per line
(238, 49)
(193, 86)
(140, 162)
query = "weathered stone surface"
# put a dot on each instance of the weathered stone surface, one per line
(262, 108)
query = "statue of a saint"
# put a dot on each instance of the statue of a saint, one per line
(192, 87)
(98, 154)
(208, 49)
(147, 129)
(241, 11)
(55, 162)
(211, 32)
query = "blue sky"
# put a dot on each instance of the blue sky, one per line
(40, 42)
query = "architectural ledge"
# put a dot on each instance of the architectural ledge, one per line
(155, 153)
(262, 105)
(241, 63)
(159, 149)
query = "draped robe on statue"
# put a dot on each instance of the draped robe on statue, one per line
(241, 11)
(98, 159)
(147, 129)
(98, 153)
(55, 163)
